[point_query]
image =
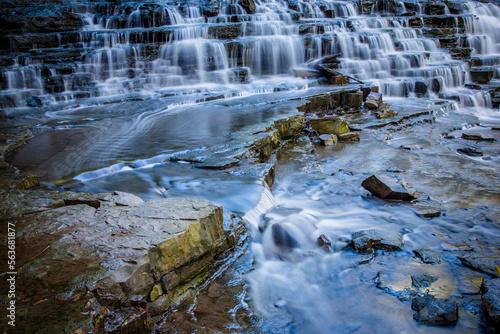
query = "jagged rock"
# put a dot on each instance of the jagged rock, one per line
(330, 125)
(482, 75)
(422, 281)
(470, 152)
(386, 187)
(328, 140)
(365, 241)
(350, 136)
(373, 100)
(385, 112)
(491, 301)
(428, 256)
(484, 265)
(324, 242)
(476, 137)
(432, 311)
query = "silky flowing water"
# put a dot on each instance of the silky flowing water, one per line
(149, 117)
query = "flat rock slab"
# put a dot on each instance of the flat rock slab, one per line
(365, 241)
(428, 256)
(481, 264)
(386, 187)
(432, 311)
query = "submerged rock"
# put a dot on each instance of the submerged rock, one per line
(427, 209)
(422, 281)
(388, 188)
(432, 311)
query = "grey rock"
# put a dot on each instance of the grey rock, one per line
(373, 100)
(491, 301)
(328, 139)
(481, 264)
(353, 136)
(363, 241)
(428, 256)
(482, 75)
(427, 209)
(432, 311)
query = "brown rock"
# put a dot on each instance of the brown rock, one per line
(373, 100)
(330, 125)
(388, 188)
(350, 136)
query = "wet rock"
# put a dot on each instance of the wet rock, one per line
(126, 199)
(436, 84)
(34, 102)
(470, 152)
(421, 88)
(339, 80)
(482, 75)
(225, 31)
(54, 84)
(248, 5)
(385, 112)
(461, 53)
(353, 100)
(330, 125)
(215, 290)
(282, 237)
(432, 311)
(328, 140)
(476, 137)
(324, 242)
(241, 75)
(390, 241)
(473, 86)
(364, 241)
(136, 321)
(80, 80)
(218, 163)
(435, 9)
(354, 136)
(139, 301)
(488, 266)
(428, 256)
(373, 100)
(422, 281)
(386, 187)
(29, 182)
(156, 292)
(491, 301)
(427, 209)
(411, 147)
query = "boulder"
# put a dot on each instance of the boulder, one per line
(282, 237)
(482, 75)
(373, 100)
(436, 84)
(432, 311)
(329, 125)
(491, 301)
(387, 187)
(328, 140)
(428, 256)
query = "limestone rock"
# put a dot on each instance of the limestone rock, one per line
(432, 311)
(330, 125)
(491, 301)
(328, 140)
(373, 100)
(354, 136)
(339, 80)
(388, 188)
(155, 292)
(126, 199)
(428, 256)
